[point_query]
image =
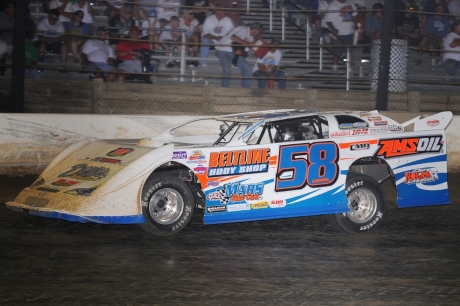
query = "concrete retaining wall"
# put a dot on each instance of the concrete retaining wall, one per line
(28, 142)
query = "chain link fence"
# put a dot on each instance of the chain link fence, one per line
(307, 60)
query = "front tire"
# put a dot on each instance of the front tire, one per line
(366, 202)
(167, 205)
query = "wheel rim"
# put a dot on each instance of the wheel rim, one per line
(362, 204)
(166, 206)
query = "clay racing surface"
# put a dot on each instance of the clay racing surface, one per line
(412, 258)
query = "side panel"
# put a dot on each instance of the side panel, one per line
(419, 163)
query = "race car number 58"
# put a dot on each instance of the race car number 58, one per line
(314, 165)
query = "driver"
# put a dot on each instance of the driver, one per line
(287, 132)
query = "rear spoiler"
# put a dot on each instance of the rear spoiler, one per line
(437, 121)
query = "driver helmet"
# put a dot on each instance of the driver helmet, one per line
(287, 132)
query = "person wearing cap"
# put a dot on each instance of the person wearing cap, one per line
(266, 68)
(123, 22)
(128, 51)
(214, 28)
(233, 10)
(51, 38)
(451, 55)
(192, 28)
(76, 31)
(243, 36)
(98, 57)
(408, 28)
(341, 21)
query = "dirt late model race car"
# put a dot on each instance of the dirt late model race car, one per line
(249, 166)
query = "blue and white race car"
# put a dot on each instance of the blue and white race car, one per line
(250, 166)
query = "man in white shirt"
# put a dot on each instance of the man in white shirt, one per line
(97, 56)
(243, 36)
(451, 56)
(340, 19)
(266, 68)
(214, 28)
(51, 38)
(65, 9)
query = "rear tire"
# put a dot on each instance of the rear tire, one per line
(366, 202)
(167, 205)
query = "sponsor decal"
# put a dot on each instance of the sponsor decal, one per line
(370, 225)
(179, 155)
(378, 130)
(85, 173)
(360, 132)
(212, 183)
(196, 157)
(340, 133)
(236, 192)
(421, 176)
(380, 123)
(238, 162)
(64, 182)
(212, 209)
(238, 207)
(432, 123)
(259, 205)
(355, 125)
(277, 203)
(106, 160)
(38, 182)
(407, 146)
(360, 146)
(395, 128)
(374, 118)
(85, 192)
(364, 114)
(120, 152)
(48, 189)
(200, 169)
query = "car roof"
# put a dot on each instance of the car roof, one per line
(285, 114)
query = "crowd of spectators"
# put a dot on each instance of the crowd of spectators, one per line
(158, 26)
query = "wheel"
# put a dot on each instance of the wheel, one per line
(366, 202)
(167, 205)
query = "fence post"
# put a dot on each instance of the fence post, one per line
(96, 95)
(413, 101)
(208, 99)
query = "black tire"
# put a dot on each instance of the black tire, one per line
(366, 201)
(167, 205)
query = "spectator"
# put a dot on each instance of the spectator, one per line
(123, 22)
(76, 28)
(3, 55)
(192, 28)
(374, 21)
(313, 16)
(429, 9)
(340, 21)
(30, 25)
(98, 57)
(323, 31)
(151, 35)
(144, 9)
(266, 68)
(451, 56)
(407, 27)
(51, 38)
(167, 8)
(214, 28)
(129, 53)
(112, 8)
(64, 7)
(242, 35)
(199, 8)
(369, 4)
(169, 37)
(233, 11)
(454, 8)
(7, 24)
(87, 9)
(31, 58)
(437, 27)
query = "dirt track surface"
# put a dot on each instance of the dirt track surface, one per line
(412, 258)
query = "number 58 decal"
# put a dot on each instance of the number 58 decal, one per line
(314, 165)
